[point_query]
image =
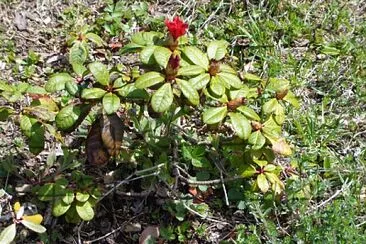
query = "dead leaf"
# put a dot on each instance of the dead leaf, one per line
(96, 153)
(112, 133)
(149, 233)
(281, 147)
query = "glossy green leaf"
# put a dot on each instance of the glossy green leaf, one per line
(82, 196)
(85, 210)
(57, 82)
(196, 56)
(79, 69)
(217, 87)
(69, 196)
(291, 98)
(147, 55)
(7, 235)
(111, 103)
(217, 49)
(188, 91)
(247, 170)
(162, 55)
(249, 113)
(242, 92)
(270, 127)
(190, 70)
(71, 87)
(68, 116)
(241, 125)
(149, 79)
(26, 124)
(277, 85)
(214, 115)
(95, 38)
(231, 79)
(36, 140)
(249, 76)
(200, 82)
(100, 73)
(130, 91)
(146, 38)
(93, 93)
(78, 54)
(36, 90)
(262, 183)
(59, 207)
(162, 98)
(270, 106)
(227, 69)
(257, 140)
(33, 226)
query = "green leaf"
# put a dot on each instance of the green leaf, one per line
(270, 106)
(78, 54)
(57, 82)
(146, 38)
(93, 93)
(5, 87)
(162, 98)
(95, 38)
(149, 79)
(36, 90)
(79, 69)
(231, 79)
(217, 50)
(71, 87)
(33, 226)
(146, 55)
(330, 50)
(111, 103)
(252, 77)
(5, 113)
(100, 72)
(249, 113)
(130, 91)
(277, 85)
(290, 97)
(82, 196)
(68, 116)
(36, 140)
(69, 196)
(22, 87)
(26, 124)
(262, 183)
(214, 115)
(162, 55)
(200, 82)
(227, 69)
(242, 92)
(188, 91)
(247, 170)
(190, 70)
(85, 210)
(217, 87)
(196, 56)
(241, 125)
(60, 207)
(271, 130)
(257, 140)
(7, 235)
(130, 47)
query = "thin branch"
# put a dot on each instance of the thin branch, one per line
(205, 217)
(208, 182)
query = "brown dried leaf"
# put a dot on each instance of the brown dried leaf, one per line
(96, 153)
(112, 133)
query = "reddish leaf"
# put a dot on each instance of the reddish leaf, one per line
(112, 133)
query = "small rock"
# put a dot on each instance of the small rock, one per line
(20, 21)
(133, 227)
(47, 20)
(150, 232)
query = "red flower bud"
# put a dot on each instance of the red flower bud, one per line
(176, 27)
